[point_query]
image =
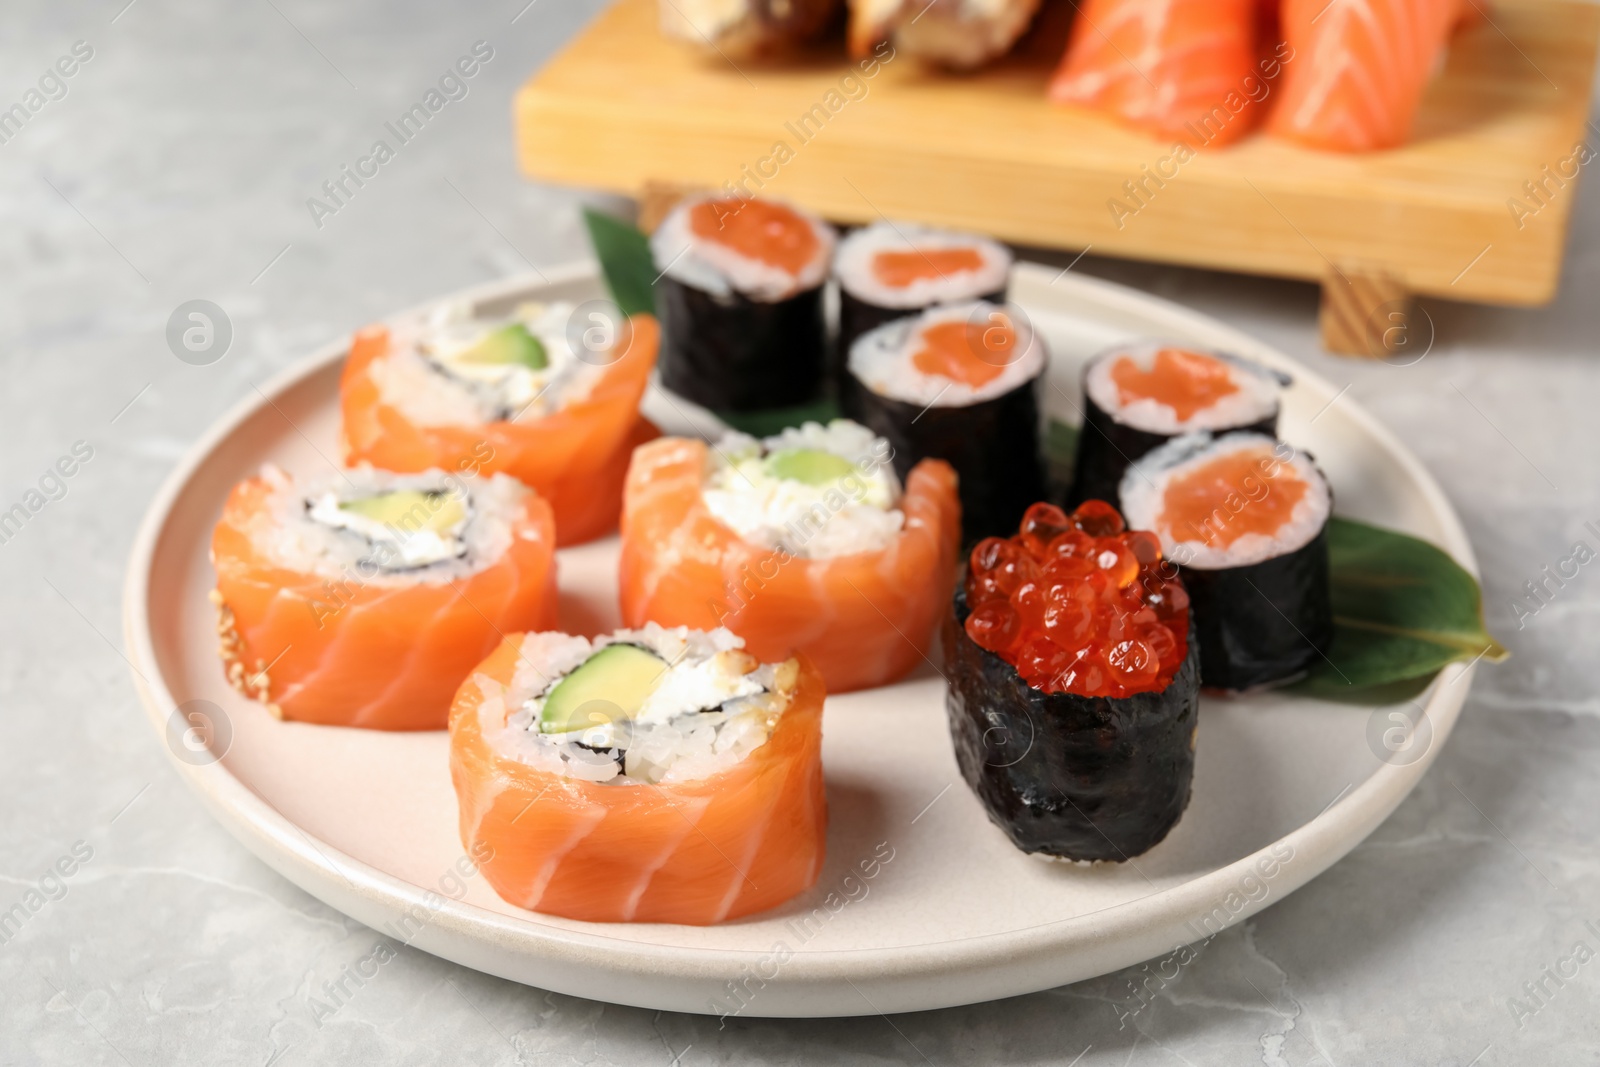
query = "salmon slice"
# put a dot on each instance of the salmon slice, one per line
(696, 852)
(346, 653)
(1184, 69)
(1359, 69)
(585, 444)
(864, 620)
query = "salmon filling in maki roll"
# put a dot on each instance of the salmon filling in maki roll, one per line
(803, 542)
(740, 299)
(1074, 685)
(650, 775)
(892, 269)
(958, 383)
(1245, 518)
(365, 599)
(536, 394)
(1138, 398)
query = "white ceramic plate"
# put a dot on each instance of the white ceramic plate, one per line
(366, 821)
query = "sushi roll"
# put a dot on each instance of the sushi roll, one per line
(364, 599)
(540, 394)
(960, 34)
(802, 542)
(1074, 685)
(891, 270)
(1245, 518)
(740, 300)
(651, 775)
(740, 29)
(961, 384)
(1137, 398)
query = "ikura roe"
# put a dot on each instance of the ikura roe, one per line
(1079, 604)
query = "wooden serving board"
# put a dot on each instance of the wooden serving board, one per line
(623, 106)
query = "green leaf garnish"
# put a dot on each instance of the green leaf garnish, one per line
(1402, 610)
(625, 261)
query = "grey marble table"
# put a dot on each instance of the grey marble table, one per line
(176, 162)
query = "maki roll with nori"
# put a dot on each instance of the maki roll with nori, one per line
(893, 269)
(740, 303)
(957, 383)
(1245, 518)
(1074, 685)
(1137, 398)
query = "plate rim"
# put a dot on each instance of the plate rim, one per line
(370, 893)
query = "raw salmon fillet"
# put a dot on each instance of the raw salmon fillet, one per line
(575, 458)
(346, 653)
(864, 619)
(695, 852)
(1184, 69)
(1359, 69)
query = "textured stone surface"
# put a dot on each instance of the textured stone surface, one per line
(177, 166)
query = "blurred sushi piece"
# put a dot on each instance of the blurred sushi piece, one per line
(1245, 517)
(651, 775)
(960, 34)
(547, 393)
(1187, 70)
(889, 270)
(1074, 685)
(365, 598)
(958, 383)
(1360, 68)
(1136, 398)
(738, 29)
(740, 300)
(802, 542)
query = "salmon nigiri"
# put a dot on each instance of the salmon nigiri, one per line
(1185, 69)
(652, 775)
(1359, 69)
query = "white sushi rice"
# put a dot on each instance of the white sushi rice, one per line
(294, 531)
(715, 706)
(1144, 490)
(424, 378)
(851, 514)
(1254, 400)
(883, 359)
(857, 251)
(713, 267)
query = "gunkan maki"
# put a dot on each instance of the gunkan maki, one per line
(958, 383)
(1074, 686)
(889, 270)
(740, 303)
(1137, 398)
(1245, 518)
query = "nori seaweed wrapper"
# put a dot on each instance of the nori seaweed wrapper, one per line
(993, 446)
(736, 354)
(1263, 624)
(1084, 778)
(1106, 448)
(857, 316)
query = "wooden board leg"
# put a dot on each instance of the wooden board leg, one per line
(1366, 312)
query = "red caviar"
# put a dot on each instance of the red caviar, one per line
(1079, 604)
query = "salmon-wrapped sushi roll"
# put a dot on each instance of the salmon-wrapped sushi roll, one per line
(366, 598)
(546, 394)
(803, 542)
(653, 775)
